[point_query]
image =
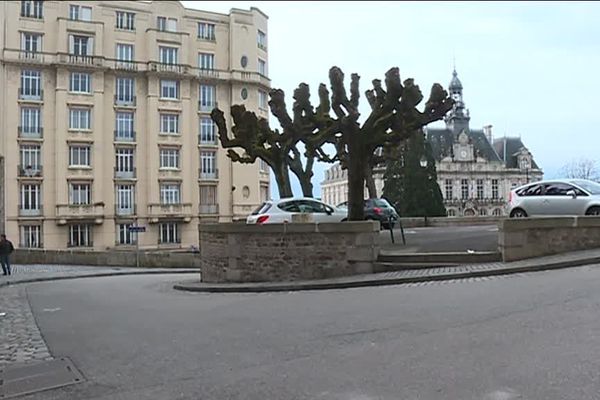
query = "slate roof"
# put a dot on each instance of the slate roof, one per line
(441, 141)
(510, 146)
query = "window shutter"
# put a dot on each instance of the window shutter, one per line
(71, 44)
(90, 47)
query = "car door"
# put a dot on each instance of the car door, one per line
(319, 210)
(286, 210)
(558, 202)
(532, 200)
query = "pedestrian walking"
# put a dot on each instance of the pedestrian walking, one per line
(6, 247)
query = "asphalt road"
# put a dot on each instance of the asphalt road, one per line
(443, 239)
(525, 337)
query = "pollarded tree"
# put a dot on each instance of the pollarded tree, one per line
(394, 117)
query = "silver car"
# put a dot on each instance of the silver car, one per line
(555, 197)
(282, 211)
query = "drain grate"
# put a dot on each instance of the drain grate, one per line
(32, 378)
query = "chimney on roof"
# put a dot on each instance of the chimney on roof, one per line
(487, 131)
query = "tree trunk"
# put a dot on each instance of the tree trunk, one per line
(370, 181)
(282, 178)
(356, 180)
(306, 185)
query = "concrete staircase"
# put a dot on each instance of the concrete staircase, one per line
(388, 261)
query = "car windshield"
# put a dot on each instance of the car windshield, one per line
(381, 203)
(263, 208)
(591, 187)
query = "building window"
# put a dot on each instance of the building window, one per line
(31, 236)
(167, 55)
(482, 212)
(30, 157)
(261, 40)
(80, 194)
(264, 193)
(81, 45)
(262, 67)
(208, 97)
(79, 156)
(206, 31)
(494, 189)
(124, 52)
(169, 89)
(31, 42)
(464, 189)
(125, 199)
(31, 198)
(169, 124)
(32, 9)
(169, 158)
(451, 213)
(125, 236)
(262, 99)
(125, 93)
(449, 189)
(124, 126)
(80, 82)
(262, 165)
(31, 84)
(170, 193)
(80, 119)
(80, 13)
(206, 61)
(80, 235)
(169, 233)
(166, 24)
(207, 131)
(31, 119)
(479, 184)
(124, 160)
(208, 195)
(208, 165)
(125, 20)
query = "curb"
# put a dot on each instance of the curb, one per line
(98, 275)
(316, 285)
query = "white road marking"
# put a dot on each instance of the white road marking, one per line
(51, 309)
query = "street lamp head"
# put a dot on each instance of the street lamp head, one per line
(423, 162)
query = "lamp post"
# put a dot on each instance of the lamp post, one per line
(423, 163)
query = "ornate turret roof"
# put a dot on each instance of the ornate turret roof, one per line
(455, 82)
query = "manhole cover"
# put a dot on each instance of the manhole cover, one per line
(32, 378)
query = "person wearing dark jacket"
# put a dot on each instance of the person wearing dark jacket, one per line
(6, 247)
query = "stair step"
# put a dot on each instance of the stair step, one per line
(439, 258)
(394, 266)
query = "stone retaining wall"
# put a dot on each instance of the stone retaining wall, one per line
(534, 237)
(417, 222)
(107, 258)
(287, 252)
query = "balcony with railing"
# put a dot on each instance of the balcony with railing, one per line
(125, 100)
(157, 211)
(30, 171)
(125, 174)
(249, 76)
(124, 211)
(27, 57)
(31, 212)
(35, 95)
(80, 60)
(208, 209)
(204, 106)
(168, 68)
(208, 175)
(211, 73)
(122, 65)
(124, 136)
(31, 132)
(70, 212)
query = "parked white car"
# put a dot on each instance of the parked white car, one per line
(282, 210)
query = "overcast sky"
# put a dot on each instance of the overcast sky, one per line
(530, 69)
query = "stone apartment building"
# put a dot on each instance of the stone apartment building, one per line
(475, 171)
(105, 120)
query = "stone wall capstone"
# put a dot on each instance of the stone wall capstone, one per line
(287, 252)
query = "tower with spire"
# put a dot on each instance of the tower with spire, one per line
(457, 120)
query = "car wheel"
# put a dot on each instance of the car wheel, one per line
(345, 220)
(518, 213)
(593, 211)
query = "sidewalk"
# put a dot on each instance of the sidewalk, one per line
(45, 272)
(566, 260)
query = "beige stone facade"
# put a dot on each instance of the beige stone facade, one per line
(105, 120)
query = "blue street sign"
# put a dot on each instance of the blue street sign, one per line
(137, 229)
